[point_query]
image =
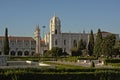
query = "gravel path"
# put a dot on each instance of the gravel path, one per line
(83, 63)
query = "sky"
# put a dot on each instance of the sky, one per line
(22, 16)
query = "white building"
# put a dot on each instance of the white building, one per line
(63, 40)
(25, 46)
(19, 46)
(55, 38)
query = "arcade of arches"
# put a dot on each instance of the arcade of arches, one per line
(20, 53)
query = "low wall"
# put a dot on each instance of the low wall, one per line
(3, 60)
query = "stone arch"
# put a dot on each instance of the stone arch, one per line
(26, 53)
(75, 43)
(12, 53)
(20, 53)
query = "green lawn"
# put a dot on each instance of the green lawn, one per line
(66, 66)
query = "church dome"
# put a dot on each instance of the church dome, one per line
(55, 19)
(55, 25)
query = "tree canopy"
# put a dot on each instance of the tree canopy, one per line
(91, 43)
(6, 43)
(108, 45)
(77, 51)
(97, 46)
(54, 52)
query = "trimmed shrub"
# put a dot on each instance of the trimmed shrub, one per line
(112, 60)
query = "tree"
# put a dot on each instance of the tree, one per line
(74, 52)
(91, 44)
(56, 52)
(117, 48)
(48, 54)
(84, 44)
(77, 50)
(108, 45)
(97, 45)
(80, 45)
(6, 43)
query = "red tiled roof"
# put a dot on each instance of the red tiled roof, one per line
(18, 38)
(106, 32)
(14, 38)
(42, 41)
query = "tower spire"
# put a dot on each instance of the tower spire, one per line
(37, 38)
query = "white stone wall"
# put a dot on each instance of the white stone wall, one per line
(65, 40)
(20, 46)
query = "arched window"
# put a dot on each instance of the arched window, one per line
(56, 42)
(19, 53)
(12, 53)
(0, 52)
(64, 42)
(26, 53)
(74, 43)
(55, 31)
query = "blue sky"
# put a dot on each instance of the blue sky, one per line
(21, 16)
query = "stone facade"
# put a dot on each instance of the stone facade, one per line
(25, 46)
(20, 46)
(63, 40)
(55, 38)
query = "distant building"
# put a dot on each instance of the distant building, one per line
(20, 46)
(28, 46)
(66, 41)
(24, 46)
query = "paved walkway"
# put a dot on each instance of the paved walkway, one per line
(25, 64)
(30, 64)
(83, 63)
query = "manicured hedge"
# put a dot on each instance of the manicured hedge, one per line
(59, 70)
(88, 58)
(14, 58)
(112, 60)
(60, 74)
(31, 58)
(74, 59)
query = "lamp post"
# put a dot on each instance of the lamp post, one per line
(43, 38)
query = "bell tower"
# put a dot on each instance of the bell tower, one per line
(55, 25)
(55, 29)
(37, 38)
